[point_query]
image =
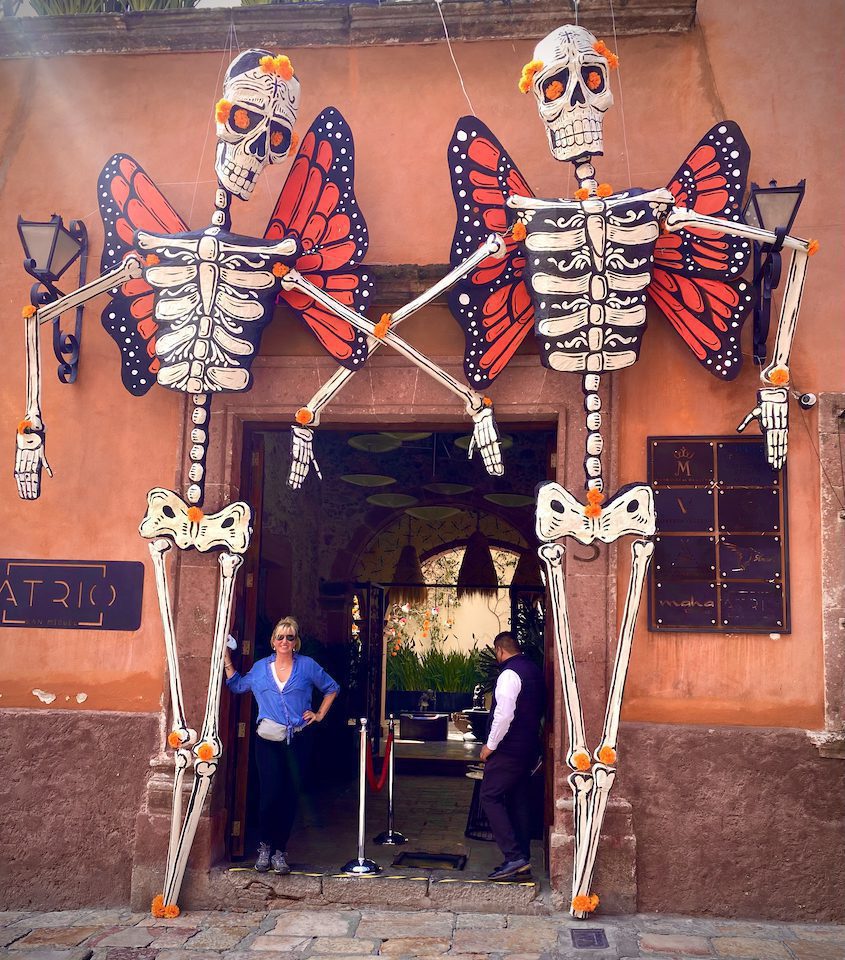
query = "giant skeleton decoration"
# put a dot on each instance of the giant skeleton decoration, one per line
(187, 309)
(579, 271)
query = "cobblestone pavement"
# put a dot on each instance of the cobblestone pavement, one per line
(333, 934)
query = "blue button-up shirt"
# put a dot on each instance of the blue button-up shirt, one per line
(284, 706)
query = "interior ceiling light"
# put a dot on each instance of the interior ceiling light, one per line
(406, 437)
(447, 489)
(368, 480)
(394, 500)
(510, 499)
(477, 576)
(374, 442)
(506, 440)
(432, 514)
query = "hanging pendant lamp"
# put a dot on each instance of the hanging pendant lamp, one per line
(408, 576)
(527, 573)
(477, 576)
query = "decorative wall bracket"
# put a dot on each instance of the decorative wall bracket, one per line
(50, 249)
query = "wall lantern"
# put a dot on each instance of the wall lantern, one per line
(50, 249)
(770, 208)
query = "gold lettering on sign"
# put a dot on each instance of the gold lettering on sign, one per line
(683, 457)
(687, 604)
(11, 594)
(63, 600)
(32, 585)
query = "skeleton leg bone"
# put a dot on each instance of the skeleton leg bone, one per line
(207, 751)
(578, 756)
(485, 433)
(603, 772)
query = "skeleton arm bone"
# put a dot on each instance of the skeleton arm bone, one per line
(302, 453)
(485, 433)
(772, 409)
(30, 455)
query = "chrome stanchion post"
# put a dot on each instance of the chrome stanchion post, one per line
(390, 836)
(361, 866)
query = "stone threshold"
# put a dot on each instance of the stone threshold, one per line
(290, 25)
(242, 888)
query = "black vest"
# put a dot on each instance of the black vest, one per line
(523, 735)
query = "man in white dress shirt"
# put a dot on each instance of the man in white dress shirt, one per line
(510, 754)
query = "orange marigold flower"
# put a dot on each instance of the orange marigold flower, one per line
(582, 193)
(594, 79)
(607, 755)
(241, 119)
(594, 495)
(592, 510)
(279, 269)
(554, 90)
(174, 739)
(604, 190)
(603, 50)
(275, 139)
(581, 760)
(222, 109)
(585, 904)
(527, 77)
(383, 325)
(519, 232)
(205, 751)
(280, 65)
(151, 260)
(28, 311)
(813, 248)
(24, 425)
(487, 402)
(157, 906)
(304, 416)
(779, 376)
(171, 911)
(195, 514)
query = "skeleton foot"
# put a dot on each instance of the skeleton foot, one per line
(30, 459)
(485, 438)
(772, 411)
(301, 456)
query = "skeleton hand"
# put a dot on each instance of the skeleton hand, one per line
(485, 437)
(29, 460)
(772, 411)
(301, 456)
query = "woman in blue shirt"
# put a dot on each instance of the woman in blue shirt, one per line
(283, 685)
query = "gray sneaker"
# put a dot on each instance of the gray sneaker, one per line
(279, 863)
(262, 863)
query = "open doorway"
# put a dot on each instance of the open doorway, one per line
(411, 646)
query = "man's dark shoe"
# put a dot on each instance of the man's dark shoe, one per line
(509, 869)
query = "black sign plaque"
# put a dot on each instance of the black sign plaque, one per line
(71, 594)
(720, 558)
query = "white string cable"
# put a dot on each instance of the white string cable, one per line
(224, 59)
(621, 97)
(452, 55)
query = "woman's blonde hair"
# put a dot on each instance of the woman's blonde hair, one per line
(287, 622)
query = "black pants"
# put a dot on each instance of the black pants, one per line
(281, 772)
(505, 798)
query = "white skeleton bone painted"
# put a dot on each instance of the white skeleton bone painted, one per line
(591, 262)
(485, 436)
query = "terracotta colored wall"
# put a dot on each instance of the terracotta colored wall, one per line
(62, 117)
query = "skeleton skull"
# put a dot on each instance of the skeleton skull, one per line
(255, 119)
(572, 92)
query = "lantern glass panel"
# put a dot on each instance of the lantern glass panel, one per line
(777, 207)
(66, 251)
(38, 239)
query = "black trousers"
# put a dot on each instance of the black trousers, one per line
(505, 798)
(281, 775)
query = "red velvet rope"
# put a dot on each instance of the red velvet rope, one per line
(377, 785)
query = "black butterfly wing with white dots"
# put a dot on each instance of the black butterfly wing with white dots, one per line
(697, 273)
(130, 201)
(492, 304)
(317, 206)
